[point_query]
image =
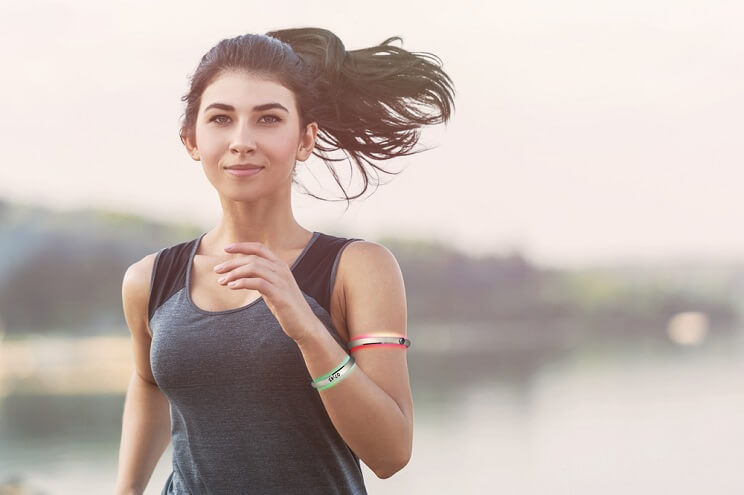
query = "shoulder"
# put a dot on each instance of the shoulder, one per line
(138, 274)
(362, 252)
(137, 281)
(363, 259)
(135, 289)
(372, 286)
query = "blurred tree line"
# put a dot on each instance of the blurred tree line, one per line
(62, 272)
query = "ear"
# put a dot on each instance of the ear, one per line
(307, 142)
(190, 145)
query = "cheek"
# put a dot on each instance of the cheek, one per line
(279, 146)
(211, 144)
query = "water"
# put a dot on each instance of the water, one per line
(615, 419)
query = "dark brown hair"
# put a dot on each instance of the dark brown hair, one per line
(368, 103)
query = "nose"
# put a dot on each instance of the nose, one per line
(243, 140)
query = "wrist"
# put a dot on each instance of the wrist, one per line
(312, 333)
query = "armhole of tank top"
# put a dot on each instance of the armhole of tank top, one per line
(335, 267)
(152, 285)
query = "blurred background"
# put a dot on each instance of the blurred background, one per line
(573, 269)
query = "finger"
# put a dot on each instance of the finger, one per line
(233, 263)
(255, 269)
(254, 283)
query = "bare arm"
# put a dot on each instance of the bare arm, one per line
(145, 432)
(372, 409)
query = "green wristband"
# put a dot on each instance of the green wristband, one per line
(348, 356)
(339, 378)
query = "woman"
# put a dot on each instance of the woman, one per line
(247, 339)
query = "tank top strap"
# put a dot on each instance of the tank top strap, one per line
(316, 271)
(168, 274)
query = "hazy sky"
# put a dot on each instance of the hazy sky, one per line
(584, 131)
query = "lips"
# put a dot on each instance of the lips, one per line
(243, 166)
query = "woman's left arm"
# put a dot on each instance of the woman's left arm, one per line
(372, 408)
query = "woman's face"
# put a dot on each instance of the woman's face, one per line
(245, 119)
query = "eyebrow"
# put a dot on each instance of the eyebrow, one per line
(257, 108)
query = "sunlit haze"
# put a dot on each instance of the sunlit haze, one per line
(584, 132)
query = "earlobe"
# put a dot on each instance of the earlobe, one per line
(192, 150)
(301, 155)
(305, 150)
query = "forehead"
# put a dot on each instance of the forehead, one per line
(244, 90)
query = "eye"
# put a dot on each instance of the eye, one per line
(277, 119)
(217, 117)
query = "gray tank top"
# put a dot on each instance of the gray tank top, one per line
(244, 417)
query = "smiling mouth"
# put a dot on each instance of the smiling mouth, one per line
(244, 171)
(246, 166)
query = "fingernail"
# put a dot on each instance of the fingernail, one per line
(218, 267)
(221, 279)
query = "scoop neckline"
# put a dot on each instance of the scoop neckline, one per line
(194, 248)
